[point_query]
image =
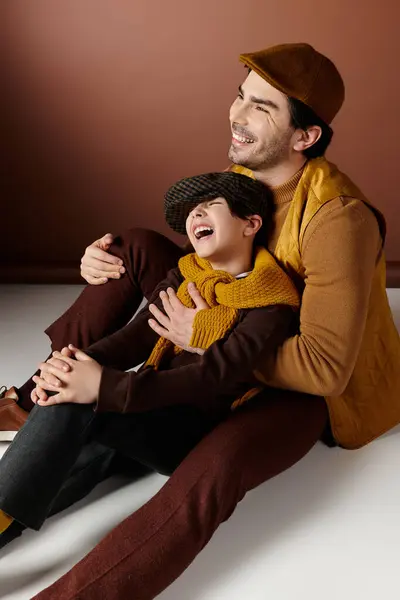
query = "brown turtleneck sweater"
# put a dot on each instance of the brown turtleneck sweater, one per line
(339, 252)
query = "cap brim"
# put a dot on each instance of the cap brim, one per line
(247, 60)
(177, 212)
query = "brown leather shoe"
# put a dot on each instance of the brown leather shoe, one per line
(12, 416)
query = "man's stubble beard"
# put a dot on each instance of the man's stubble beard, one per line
(270, 156)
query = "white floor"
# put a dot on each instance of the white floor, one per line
(328, 529)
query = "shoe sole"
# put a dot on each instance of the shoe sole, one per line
(7, 436)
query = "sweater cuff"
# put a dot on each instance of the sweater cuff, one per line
(113, 391)
(205, 330)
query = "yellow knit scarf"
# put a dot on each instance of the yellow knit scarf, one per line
(266, 285)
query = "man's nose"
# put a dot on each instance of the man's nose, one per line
(238, 114)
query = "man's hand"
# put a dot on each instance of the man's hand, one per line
(97, 265)
(80, 384)
(177, 324)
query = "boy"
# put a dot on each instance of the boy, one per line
(160, 413)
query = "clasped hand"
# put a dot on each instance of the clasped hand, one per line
(75, 377)
(72, 374)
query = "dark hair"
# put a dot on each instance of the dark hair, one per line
(262, 236)
(242, 211)
(302, 117)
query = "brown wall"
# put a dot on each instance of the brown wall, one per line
(107, 102)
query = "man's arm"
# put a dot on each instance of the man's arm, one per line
(339, 253)
(132, 345)
(211, 381)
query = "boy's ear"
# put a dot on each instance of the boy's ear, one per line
(253, 224)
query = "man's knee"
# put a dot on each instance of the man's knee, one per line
(147, 256)
(140, 238)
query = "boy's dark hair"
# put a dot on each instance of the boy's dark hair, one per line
(302, 117)
(243, 212)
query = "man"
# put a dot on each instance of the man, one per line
(330, 240)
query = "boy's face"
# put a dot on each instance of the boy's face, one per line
(215, 233)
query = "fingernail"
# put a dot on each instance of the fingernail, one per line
(122, 270)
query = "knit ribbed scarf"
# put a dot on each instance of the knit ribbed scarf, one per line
(267, 284)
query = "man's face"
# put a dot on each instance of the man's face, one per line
(262, 136)
(214, 232)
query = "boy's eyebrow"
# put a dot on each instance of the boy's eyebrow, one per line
(268, 103)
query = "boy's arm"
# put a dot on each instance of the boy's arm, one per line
(132, 345)
(210, 382)
(340, 251)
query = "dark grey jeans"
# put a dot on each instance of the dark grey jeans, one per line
(95, 464)
(42, 457)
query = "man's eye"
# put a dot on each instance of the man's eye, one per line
(262, 109)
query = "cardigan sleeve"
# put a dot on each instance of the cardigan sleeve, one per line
(341, 247)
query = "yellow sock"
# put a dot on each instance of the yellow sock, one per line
(5, 521)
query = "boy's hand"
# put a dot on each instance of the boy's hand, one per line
(80, 384)
(177, 324)
(57, 362)
(39, 393)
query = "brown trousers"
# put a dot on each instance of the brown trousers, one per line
(152, 547)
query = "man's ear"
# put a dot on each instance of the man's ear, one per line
(307, 138)
(253, 224)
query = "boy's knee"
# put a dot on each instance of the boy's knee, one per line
(41, 412)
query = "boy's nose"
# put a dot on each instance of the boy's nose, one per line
(199, 211)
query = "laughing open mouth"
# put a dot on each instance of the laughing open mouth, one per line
(202, 232)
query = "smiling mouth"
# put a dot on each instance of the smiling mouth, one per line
(202, 232)
(242, 139)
